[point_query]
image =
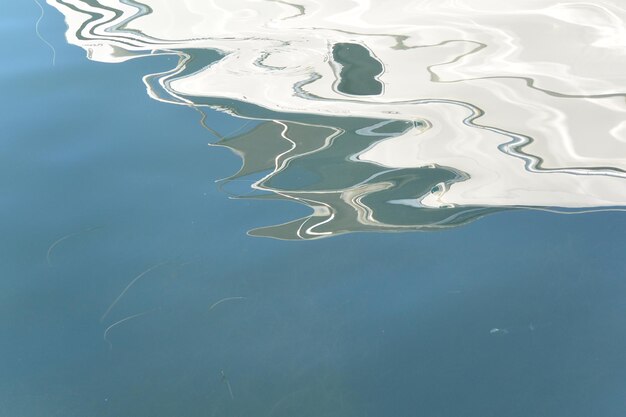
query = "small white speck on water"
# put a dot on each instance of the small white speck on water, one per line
(500, 331)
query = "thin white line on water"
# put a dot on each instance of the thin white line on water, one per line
(128, 286)
(223, 300)
(54, 52)
(104, 336)
(61, 239)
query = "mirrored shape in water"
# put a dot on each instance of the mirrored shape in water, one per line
(395, 116)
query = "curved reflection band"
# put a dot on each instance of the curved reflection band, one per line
(392, 116)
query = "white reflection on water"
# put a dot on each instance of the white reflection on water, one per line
(522, 102)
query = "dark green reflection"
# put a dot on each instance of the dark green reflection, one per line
(359, 70)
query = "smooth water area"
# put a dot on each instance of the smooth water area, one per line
(131, 285)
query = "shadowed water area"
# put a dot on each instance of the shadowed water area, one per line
(182, 187)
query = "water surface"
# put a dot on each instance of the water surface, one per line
(463, 120)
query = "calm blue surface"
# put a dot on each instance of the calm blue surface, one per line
(366, 324)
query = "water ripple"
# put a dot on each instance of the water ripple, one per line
(392, 116)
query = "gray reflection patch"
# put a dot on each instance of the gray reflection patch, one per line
(359, 70)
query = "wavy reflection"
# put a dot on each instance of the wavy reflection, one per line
(415, 115)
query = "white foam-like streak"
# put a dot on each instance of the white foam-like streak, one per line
(553, 73)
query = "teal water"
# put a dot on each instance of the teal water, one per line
(516, 314)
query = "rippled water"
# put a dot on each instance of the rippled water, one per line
(132, 287)
(423, 117)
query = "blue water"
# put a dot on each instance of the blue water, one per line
(518, 314)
